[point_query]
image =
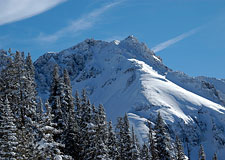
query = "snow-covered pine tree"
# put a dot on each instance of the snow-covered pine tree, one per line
(119, 135)
(127, 140)
(83, 110)
(85, 126)
(84, 101)
(201, 155)
(84, 119)
(8, 132)
(145, 154)
(78, 115)
(88, 132)
(68, 103)
(55, 101)
(77, 108)
(47, 147)
(102, 123)
(134, 147)
(179, 150)
(124, 138)
(101, 135)
(71, 140)
(152, 143)
(31, 88)
(56, 88)
(71, 135)
(112, 142)
(163, 140)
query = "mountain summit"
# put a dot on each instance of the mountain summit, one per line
(127, 77)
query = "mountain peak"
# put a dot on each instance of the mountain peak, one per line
(90, 41)
(132, 39)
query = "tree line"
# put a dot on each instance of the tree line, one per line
(69, 127)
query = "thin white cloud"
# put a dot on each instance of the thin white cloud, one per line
(15, 10)
(172, 41)
(85, 22)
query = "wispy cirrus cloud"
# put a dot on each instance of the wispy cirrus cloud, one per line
(85, 22)
(172, 41)
(16, 10)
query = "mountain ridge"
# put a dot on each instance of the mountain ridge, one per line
(155, 62)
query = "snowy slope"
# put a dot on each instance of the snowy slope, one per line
(199, 85)
(128, 77)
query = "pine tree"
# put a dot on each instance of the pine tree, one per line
(47, 147)
(119, 135)
(201, 155)
(127, 138)
(88, 133)
(102, 123)
(55, 101)
(71, 140)
(112, 143)
(152, 143)
(84, 102)
(56, 88)
(71, 135)
(124, 138)
(31, 87)
(214, 157)
(163, 140)
(101, 135)
(8, 132)
(78, 108)
(78, 115)
(68, 105)
(134, 147)
(145, 153)
(179, 150)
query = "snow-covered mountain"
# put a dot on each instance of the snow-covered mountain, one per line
(126, 76)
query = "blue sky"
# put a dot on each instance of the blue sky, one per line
(189, 35)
